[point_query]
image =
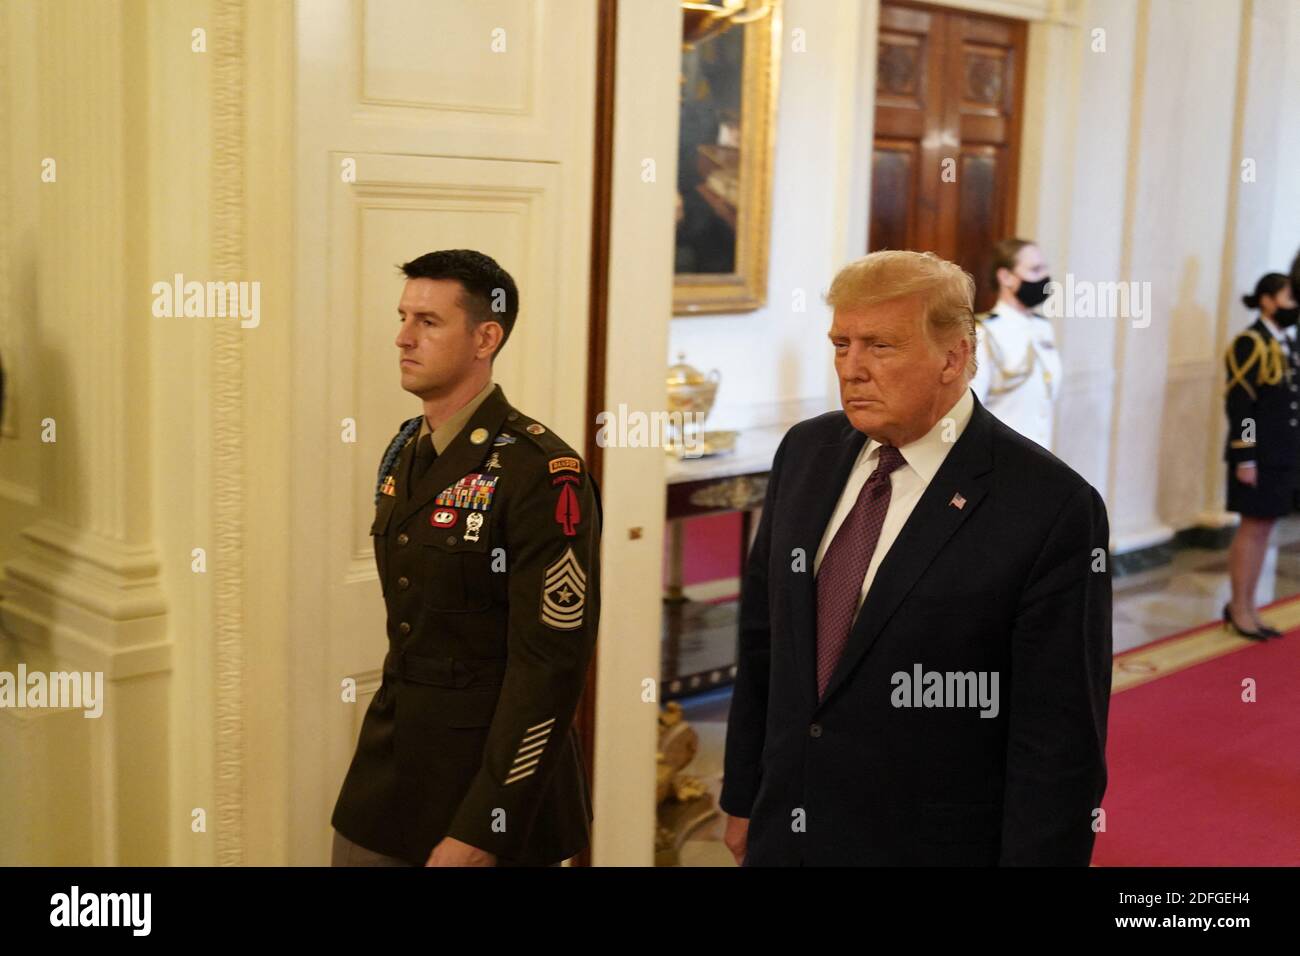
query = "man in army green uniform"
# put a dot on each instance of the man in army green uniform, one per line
(487, 541)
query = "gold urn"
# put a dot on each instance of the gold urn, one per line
(690, 390)
(690, 399)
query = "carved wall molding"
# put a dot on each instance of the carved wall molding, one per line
(228, 263)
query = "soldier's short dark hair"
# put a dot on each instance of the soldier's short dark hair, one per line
(489, 293)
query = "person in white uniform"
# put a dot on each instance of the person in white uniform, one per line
(1019, 372)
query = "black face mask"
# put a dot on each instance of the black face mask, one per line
(1285, 318)
(1031, 294)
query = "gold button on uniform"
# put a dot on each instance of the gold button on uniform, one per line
(404, 628)
(402, 539)
(403, 582)
(478, 436)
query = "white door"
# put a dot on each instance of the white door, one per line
(422, 125)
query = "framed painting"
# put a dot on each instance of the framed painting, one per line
(730, 60)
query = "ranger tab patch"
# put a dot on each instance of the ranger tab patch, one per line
(564, 463)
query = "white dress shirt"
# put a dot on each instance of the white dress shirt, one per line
(1019, 371)
(907, 482)
(1283, 338)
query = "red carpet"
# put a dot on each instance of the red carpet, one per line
(1200, 778)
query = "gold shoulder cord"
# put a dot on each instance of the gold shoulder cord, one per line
(1269, 358)
(1012, 378)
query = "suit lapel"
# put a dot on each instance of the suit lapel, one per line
(821, 490)
(933, 521)
(459, 458)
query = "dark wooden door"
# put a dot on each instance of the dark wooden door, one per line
(949, 88)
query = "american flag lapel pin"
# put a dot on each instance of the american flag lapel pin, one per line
(958, 501)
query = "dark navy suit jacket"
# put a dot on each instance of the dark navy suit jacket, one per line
(1015, 581)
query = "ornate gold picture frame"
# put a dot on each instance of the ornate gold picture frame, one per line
(727, 125)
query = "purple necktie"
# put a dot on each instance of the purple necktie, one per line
(844, 566)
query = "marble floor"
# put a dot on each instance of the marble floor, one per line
(1148, 606)
(1153, 604)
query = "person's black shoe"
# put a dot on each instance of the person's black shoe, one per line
(1231, 625)
(1269, 631)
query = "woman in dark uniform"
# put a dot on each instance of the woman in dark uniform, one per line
(1263, 445)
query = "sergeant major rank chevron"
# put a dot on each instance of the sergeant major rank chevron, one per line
(564, 593)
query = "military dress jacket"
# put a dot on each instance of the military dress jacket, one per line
(1262, 400)
(1019, 370)
(490, 575)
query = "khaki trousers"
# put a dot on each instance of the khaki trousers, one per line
(347, 853)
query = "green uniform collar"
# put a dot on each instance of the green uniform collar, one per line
(448, 430)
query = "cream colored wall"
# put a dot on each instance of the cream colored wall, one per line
(82, 587)
(170, 160)
(1086, 234)
(645, 128)
(1268, 210)
(178, 382)
(768, 358)
(1160, 124)
(1182, 182)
